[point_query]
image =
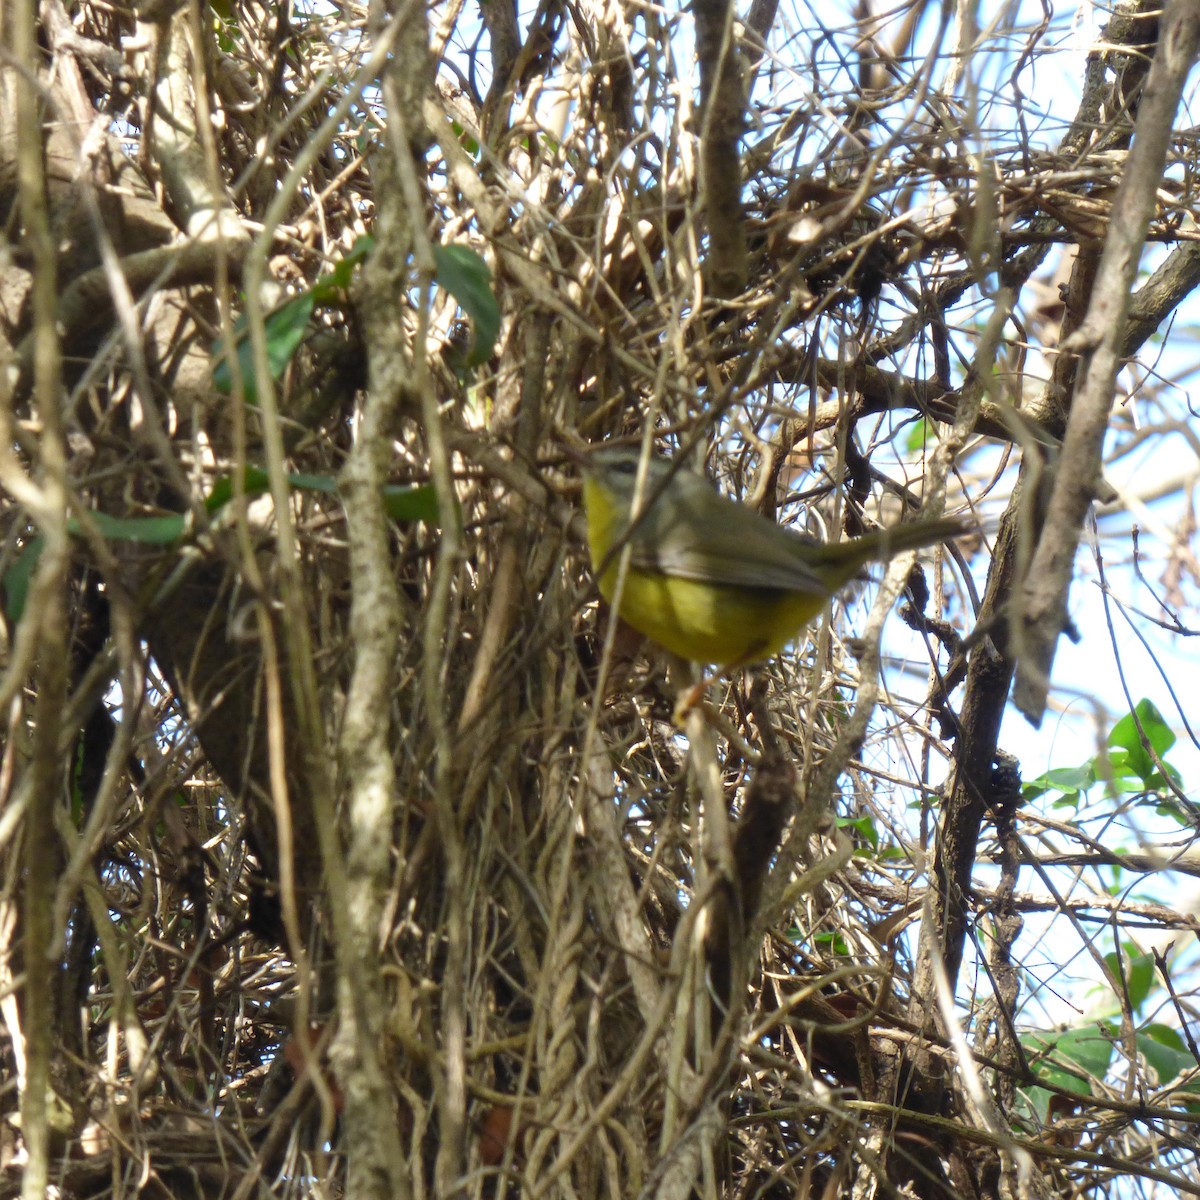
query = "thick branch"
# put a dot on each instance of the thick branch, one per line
(1100, 340)
(723, 108)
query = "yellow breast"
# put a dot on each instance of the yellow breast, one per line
(708, 622)
(718, 623)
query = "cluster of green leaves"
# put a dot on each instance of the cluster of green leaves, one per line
(1078, 1059)
(460, 271)
(1137, 745)
(402, 504)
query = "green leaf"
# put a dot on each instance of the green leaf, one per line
(254, 483)
(864, 826)
(401, 503)
(834, 943)
(1158, 734)
(284, 330)
(1136, 969)
(326, 289)
(1069, 781)
(920, 434)
(462, 273)
(18, 577)
(468, 143)
(1118, 765)
(412, 503)
(151, 531)
(1073, 1059)
(1170, 808)
(314, 483)
(1167, 1055)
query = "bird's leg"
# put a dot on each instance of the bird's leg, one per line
(690, 691)
(692, 698)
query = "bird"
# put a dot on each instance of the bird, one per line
(710, 579)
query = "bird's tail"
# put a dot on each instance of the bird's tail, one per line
(849, 557)
(883, 543)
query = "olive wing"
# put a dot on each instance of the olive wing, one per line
(707, 538)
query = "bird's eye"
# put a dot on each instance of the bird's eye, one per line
(627, 466)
